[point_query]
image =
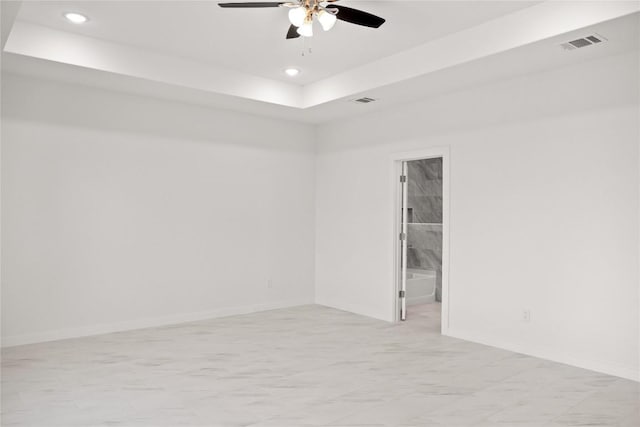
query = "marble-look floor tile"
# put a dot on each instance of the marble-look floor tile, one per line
(307, 366)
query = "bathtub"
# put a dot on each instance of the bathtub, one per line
(421, 286)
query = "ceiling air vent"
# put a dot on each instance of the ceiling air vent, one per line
(364, 100)
(583, 42)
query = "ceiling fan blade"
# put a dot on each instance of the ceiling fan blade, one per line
(251, 4)
(293, 32)
(355, 16)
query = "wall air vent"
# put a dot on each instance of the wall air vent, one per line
(583, 42)
(364, 100)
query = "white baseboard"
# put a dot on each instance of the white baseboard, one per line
(627, 372)
(353, 308)
(106, 328)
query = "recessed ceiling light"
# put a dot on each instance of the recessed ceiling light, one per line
(76, 18)
(292, 72)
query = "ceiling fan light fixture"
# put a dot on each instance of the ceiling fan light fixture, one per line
(306, 29)
(297, 16)
(326, 19)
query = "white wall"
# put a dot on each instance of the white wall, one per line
(544, 211)
(121, 211)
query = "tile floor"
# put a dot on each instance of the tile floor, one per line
(300, 367)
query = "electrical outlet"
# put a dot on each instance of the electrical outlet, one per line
(526, 315)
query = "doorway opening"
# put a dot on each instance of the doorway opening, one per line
(422, 250)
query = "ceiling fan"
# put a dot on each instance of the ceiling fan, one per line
(302, 12)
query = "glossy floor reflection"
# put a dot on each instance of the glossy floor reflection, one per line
(297, 367)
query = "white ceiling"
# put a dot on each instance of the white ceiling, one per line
(253, 40)
(184, 50)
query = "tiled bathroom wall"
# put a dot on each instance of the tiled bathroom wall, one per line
(424, 236)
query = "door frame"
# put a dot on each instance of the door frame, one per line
(397, 159)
